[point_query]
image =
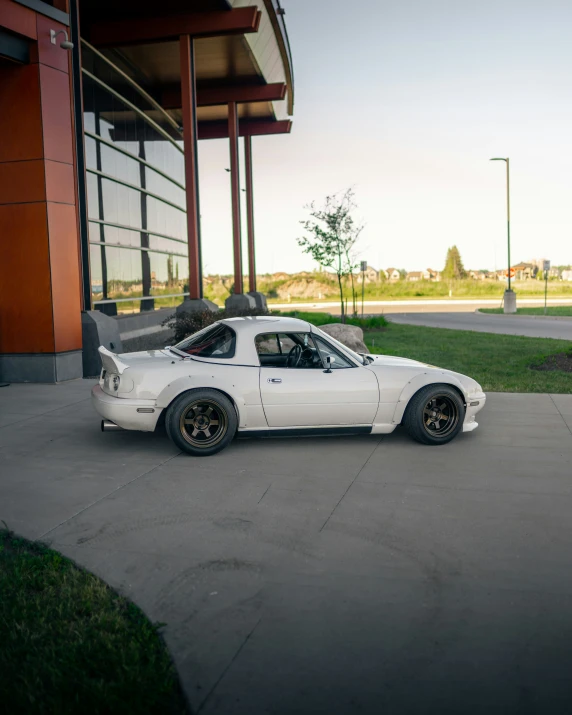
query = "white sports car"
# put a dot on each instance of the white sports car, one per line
(268, 376)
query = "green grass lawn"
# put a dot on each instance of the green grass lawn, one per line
(500, 363)
(69, 644)
(376, 321)
(562, 310)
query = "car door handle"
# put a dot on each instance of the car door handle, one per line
(274, 379)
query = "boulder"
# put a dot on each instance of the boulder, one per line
(349, 335)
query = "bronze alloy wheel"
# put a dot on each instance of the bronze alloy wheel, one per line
(440, 416)
(203, 423)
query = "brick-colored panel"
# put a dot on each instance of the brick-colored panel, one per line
(48, 54)
(18, 19)
(22, 182)
(20, 112)
(56, 115)
(64, 263)
(26, 324)
(60, 182)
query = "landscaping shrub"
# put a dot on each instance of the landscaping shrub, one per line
(185, 324)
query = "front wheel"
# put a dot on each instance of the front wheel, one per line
(434, 415)
(201, 422)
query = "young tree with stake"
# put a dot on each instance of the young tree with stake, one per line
(331, 234)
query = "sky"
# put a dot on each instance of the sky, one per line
(406, 101)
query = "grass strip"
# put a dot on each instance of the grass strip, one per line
(500, 363)
(70, 644)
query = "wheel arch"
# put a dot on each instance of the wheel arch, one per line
(417, 384)
(179, 387)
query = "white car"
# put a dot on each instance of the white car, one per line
(268, 376)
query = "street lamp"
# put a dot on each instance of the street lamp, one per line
(512, 303)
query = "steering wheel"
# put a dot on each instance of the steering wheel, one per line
(294, 356)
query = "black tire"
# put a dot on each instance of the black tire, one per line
(434, 415)
(201, 422)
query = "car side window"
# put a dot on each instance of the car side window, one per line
(267, 344)
(288, 350)
(216, 341)
(337, 360)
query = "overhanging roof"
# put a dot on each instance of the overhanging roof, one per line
(251, 51)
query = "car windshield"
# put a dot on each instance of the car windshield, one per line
(216, 341)
(356, 356)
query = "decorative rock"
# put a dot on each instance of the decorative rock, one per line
(349, 335)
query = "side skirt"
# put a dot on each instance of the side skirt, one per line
(304, 431)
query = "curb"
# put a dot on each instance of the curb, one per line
(534, 317)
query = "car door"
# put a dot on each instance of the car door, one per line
(311, 396)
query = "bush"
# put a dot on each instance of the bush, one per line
(185, 324)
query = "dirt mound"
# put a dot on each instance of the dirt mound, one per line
(560, 361)
(302, 288)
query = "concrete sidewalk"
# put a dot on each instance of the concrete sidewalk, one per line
(529, 326)
(353, 575)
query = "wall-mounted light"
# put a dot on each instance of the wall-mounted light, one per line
(64, 44)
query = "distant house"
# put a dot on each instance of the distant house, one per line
(433, 275)
(566, 275)
(418, 276)
(480, 275)
(525, 271)
(393, 274)
(370, 275)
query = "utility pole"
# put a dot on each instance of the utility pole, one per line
(363, 270)
(509, 297)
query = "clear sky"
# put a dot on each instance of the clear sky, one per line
(406, 101)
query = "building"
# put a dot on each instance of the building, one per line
(479, 275)
(370, 275)
(393, 274)
(525, 271)
(418, 276)
(104, 103)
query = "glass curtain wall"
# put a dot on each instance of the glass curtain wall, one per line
(136, 193)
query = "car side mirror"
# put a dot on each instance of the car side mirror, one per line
(329, 361)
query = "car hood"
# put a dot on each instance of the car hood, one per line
(470, 386)
(391, 360)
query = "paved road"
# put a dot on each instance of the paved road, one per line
(378, 307)
(483, 323)
(356, 575)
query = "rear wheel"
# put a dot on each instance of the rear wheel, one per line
(434, 415)
(201, 422)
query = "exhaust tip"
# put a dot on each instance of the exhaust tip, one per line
(108, 426)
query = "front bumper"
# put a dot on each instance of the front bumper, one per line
(475, 404)
(123, 412)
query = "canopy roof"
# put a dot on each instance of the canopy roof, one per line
(241, 54)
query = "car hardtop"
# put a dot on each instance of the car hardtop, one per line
(248, 327)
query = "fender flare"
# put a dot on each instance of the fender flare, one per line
(420, 381)
(184, 384)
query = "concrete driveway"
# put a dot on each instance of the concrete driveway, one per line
(354, 575)
(530, 326)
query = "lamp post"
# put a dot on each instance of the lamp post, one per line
(509, 296)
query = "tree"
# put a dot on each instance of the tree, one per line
(170, 271)
(331, 234)
(454, 268)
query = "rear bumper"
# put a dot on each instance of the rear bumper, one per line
(474, 405)
(123, 412)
